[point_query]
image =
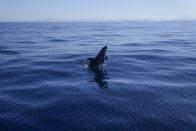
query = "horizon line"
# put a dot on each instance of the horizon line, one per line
(96, 20)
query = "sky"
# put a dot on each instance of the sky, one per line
(81, 10)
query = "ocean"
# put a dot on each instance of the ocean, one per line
(147, 84)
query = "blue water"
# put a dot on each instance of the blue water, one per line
(148, 84)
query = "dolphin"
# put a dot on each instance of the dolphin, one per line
(99, 59)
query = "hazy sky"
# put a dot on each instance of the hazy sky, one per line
(20, 10)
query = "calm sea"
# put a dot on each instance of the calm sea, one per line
(148, 84)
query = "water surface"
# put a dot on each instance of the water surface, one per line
(149, 82)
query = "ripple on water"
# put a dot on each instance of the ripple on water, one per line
(8, 52)
(59, 40)
(25, 42)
